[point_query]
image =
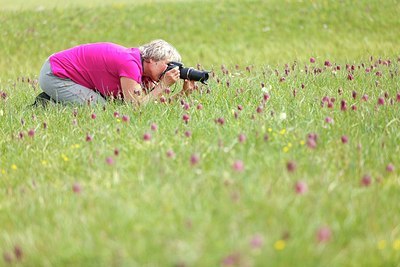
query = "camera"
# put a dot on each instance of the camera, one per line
(188, 73)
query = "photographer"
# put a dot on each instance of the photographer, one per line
(93, 73)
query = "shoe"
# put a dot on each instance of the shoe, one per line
(42, 100)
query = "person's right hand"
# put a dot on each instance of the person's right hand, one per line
(170, 77)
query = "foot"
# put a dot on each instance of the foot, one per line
(42, 100)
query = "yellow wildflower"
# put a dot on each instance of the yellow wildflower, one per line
(44, 162)
(76, 146)
(382, 244)
(65, 158)
(396, 244)
(118, 5)
(14, 167)
(280, 245)
(285, 149)
(283, 131)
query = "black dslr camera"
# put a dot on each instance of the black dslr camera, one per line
(188, 73)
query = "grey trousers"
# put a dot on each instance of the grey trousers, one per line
(65, 90)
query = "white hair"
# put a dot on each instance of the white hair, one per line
(159, 50)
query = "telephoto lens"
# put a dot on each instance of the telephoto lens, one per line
(194, 75)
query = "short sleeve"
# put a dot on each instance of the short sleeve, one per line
(130, 69)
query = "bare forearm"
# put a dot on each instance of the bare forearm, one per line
(141, 98)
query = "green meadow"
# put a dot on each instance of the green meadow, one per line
(289, 156)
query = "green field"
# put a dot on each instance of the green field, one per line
(283, 161)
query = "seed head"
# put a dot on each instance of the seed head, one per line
(76, 188)
(366, 180)
(257, 241)
(31, 133)
(194, 159)
(301, 187)
(291, 166)
(238, 166)
(220, 121)
(89, 138)
(328, 120)
(3, 95)
(18, 252)
(109, 160)
(125, 118)
(390, 167)
(233, 259)
(8, 258)
(170, 153)
(186, 118)
(147, 137)
(311, 143)
(323, 234)
(153, 127)
(343, 105)
(350, 77)
(242, 138)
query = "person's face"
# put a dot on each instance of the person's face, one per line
(156, 68)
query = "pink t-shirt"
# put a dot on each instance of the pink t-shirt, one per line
(98, 66)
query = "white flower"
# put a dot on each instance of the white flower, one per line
(266, 29)
(282, 116)
(266, 89)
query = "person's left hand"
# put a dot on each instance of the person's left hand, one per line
(188, 86)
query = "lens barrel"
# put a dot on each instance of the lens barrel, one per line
(188, 73)
(194, 75)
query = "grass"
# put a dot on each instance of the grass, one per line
(119, 200)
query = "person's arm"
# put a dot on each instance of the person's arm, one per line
(133, 92)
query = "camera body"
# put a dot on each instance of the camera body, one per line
(188, 73)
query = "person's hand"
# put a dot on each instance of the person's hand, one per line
(188, 86)
(170, 77)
